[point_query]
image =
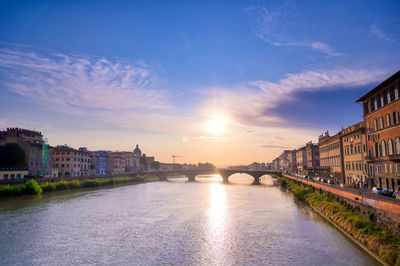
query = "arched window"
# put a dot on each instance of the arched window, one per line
(375, 125)
(369, 152)
(390, 147)
(377, 149)
(397, 145)
(388, 120)
(381, 122)
(383, 148)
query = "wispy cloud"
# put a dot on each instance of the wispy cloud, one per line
(78, 83)
(252, 103)
(376, 32)
(273, 24)
(272, 146)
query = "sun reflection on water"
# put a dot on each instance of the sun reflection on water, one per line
(217, 221)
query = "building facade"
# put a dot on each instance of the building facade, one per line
(99, 162)
(38, 155)
(116, 164)
(354, 151)
(301, 160)
(381, 108)
(71, 162)
(331, 157)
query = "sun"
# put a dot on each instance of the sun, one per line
(216, 125)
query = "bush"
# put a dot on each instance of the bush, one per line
(7, 191)
(48, 187)
(74, 184)
(31, 187)
(62, 185)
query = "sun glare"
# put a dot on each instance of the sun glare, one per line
(216, 126)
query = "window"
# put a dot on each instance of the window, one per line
(381, 123)
(388, 120)
(383, 148)
(390, 147)
(377, 150)
(397, 145)
(396, 93)
(388, 96)
(5, 177)
(381, 100)
(375, 103)
(379, 169)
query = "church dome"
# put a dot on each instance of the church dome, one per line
(137, 151)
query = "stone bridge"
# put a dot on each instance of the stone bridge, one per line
(224, 173)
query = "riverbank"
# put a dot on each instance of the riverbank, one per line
(31, 187)
(348, 218)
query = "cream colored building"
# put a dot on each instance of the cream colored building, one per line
(71, 162)
(354, 151)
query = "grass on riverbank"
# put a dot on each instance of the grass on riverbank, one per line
(377, 239)
(31, 187)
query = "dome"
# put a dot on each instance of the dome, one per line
(137, 151)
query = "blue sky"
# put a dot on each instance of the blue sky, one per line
(272, 74)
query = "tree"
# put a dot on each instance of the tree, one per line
(143, 161)
(12, 155)
(155, 165)
(206, 166)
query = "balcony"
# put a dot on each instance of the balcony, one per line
(394, 157)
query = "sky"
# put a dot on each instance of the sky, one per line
(226, 82)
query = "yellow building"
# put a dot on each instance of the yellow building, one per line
(354, 147)
(331, 156)
(13, 173)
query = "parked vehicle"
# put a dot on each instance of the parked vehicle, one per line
(377, 191)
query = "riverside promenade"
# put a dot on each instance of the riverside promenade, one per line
(390, 207)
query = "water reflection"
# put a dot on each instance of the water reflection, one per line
(215, 178)
(217, 222)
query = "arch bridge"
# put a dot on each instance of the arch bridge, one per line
(224, 173)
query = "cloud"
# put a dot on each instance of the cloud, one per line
(252, 103)
(273, 26)
(75, 83)
(272, 146)
(375, 31)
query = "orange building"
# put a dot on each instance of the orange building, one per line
(381, 108)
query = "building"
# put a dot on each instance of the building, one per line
(276, 164)
(381, 108)
(331, 157)
(301, 160)
(99, 162)
(13, 173)
(137, 154)
(287, 161)
(71, 162)
(116, 164)
(38, 155)
(312, 151)
(354, 152)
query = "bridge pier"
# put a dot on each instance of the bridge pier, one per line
(256, 180)
(225, 178)
(191, 177)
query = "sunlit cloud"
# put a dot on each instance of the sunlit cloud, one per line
(252, 104)
(77, 84)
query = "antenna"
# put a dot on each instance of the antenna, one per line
(175, 156)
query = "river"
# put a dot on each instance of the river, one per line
(171, 223)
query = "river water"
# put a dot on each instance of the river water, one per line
(171, 223)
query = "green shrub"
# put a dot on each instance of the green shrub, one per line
(61, 185)
(74, 184)
(6, 191)
(48, 187)
(31, 187)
